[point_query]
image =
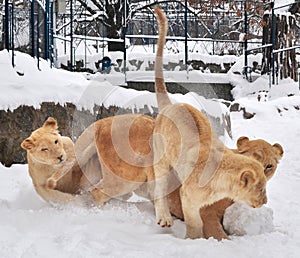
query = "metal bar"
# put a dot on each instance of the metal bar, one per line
(185, 35)
(273, 45)
(285, 49)
(189, 39)
(62, 38)
(38, 38)
(75, 36)
(286, 5)
(6, 25)
(246, 41)
(51, 33)
(256, 48)
(124, 36)
(46, 25)
(85, 35)
(32, 28)
(12, 35)
(71, 36)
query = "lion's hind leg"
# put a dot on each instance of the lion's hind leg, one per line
(111, 186)
(162, 211)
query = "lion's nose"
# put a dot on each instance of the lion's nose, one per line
(60, 158)
(265, 200)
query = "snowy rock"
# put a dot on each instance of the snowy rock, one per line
(240, 219)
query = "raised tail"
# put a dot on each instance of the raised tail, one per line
(160, 86)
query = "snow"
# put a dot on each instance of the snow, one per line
(240, 219)
(30, 227)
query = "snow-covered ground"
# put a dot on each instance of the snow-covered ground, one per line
(30, 227)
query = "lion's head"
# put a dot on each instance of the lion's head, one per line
(45, 144)
(268, 155)
(253, 183)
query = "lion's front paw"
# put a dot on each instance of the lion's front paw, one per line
(165, 220)
(51, 183)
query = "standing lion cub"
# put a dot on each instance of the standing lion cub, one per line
(188, 149)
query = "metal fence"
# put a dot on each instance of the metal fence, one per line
(73, 29)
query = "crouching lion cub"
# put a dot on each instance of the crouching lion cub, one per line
(188, 147)
(48, 153)
(268, 155)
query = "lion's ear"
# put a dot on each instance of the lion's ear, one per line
(278, 149)
(242, 143)
(51, 123)
(258, 155)
(247, 178)
(27, 144)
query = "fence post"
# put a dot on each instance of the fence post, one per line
(38, 39)
(32, 27)
(185, 36)
(124, 35)
(12, 35)
(7, 25)
(71, 36)
(246, 41)
(46, 24)
(273, 45)
(51, 33)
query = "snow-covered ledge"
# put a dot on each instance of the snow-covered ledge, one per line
(31, 95)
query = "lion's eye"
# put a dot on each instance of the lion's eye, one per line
(269, 166)
(56, 142)
(44, 149)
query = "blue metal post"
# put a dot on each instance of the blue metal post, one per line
(6, 25)
(32, 28)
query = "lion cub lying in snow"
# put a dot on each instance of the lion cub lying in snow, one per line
(49, 153)
(189, 150)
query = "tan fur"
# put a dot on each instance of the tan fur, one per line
(188, 145)
(123, 147)
(71, 181)
(48, 153)
(268, 155)
(102, 152)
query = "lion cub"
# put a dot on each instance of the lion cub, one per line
(48, 153)
(111, 158)
(268, 155)
(187, 148)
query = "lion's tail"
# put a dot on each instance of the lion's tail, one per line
(160, 86)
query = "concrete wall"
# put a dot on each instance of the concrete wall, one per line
(207, 90)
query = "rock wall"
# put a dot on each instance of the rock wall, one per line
(17, 125)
